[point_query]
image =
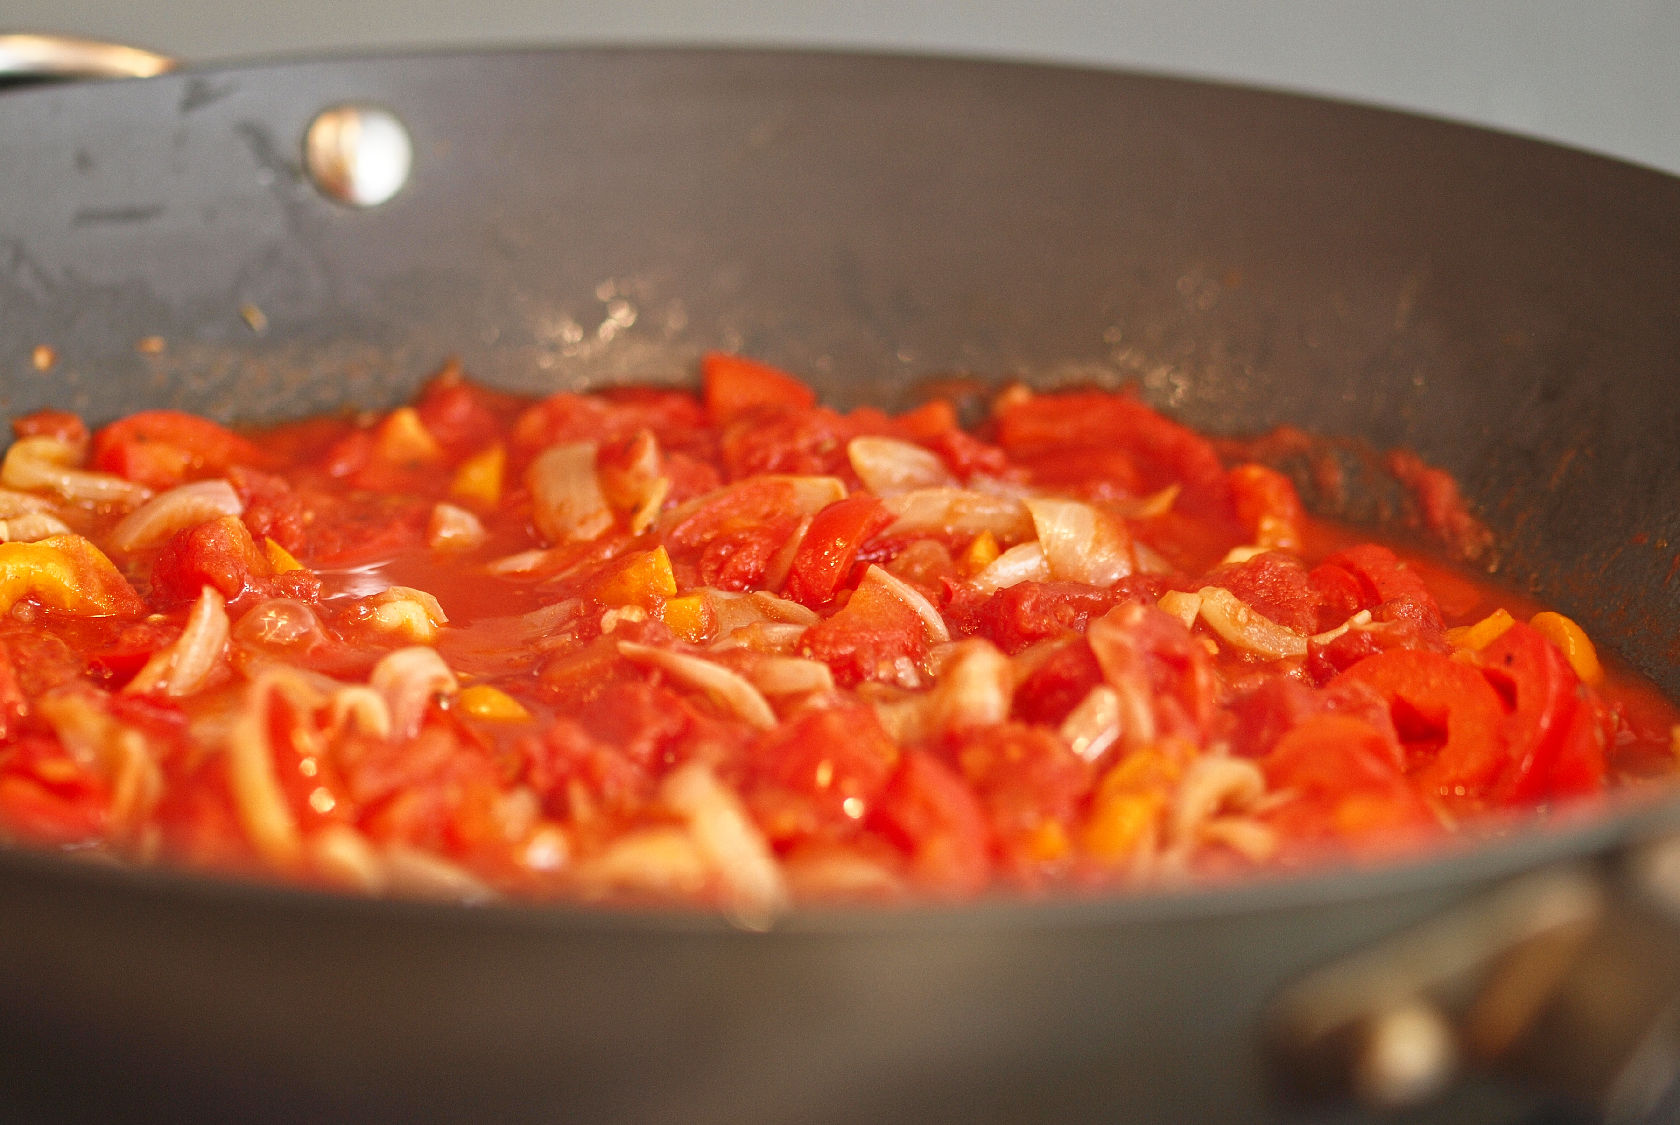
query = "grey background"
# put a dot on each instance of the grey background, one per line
(1603, 76)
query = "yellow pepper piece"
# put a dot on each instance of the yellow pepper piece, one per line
(644, 579)
(482, 701)
(65, 572)
(982, 552)
(1483, 633)
(689, 617)
(279, 558)
(479, 479)
(1119, 824)
(404, 439)
(1574, 642)
(1048, 842)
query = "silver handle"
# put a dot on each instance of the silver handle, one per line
(32, 58)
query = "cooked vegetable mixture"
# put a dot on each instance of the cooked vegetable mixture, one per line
(733, 648)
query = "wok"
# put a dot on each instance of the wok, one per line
(1509, 310)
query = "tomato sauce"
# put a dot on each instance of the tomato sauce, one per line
(736, 649)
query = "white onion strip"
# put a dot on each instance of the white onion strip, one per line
(408, 680)
(731, 843)
(729, 690)
(886, 465)
(176, 510)
(1081, 542)
(1022, 563)
(45, 464)
(1245, 627)
(912, 597)
(182, 667)
(567, 504)
(958, 511)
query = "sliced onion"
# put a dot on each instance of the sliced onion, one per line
(1184, 606)
(406, 612)
(886, 465)
(45, 464)
(735, 610)
(727, 689)
(32, 527)
(806, 495)
(960, 511)
(1094, 723)
(1151, 506)
(359, 707)
(454, 528)
(1022, 563)
(1242, 625)
(410, 871)
(1213, 784)
(14, 504)
(258, 801)
(663, 860)
(566, 500)
(788, 675)
(283, 624)
(731, 842)
(1358, 620)
(776, 570)
(910, 596)
(1082, 543)
(975, 688)
(181, 668)
(408, 680)
(1124, 670)
(185, 506)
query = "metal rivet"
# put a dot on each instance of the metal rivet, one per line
(358, 154)
(1410, 1053)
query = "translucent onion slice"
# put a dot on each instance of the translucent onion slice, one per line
(1357, 621)
(975, 688)
(176, 510)
(421, 874)
(454, 528)
(32, 527)
(788, 675)
(910, 596)
(959, 511)
(45, 464)
(734, 610)
(406, 612)
(1214, 784)
(258, 801)
(727, 689)
(14, 504)
(409, 679)
(806, 495)
(181, 668)
(567, 504)
(886, 465)
(1022, 563)
(1094, 723)
(729, 840)
(1151, 506)
(1124, 671)
(1242, 625)
(1081, 542)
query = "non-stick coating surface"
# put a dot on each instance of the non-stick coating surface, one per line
(1507, 309)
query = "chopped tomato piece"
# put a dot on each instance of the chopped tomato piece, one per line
(1448, 717)
(930, 812)
(874, 636)
(732, 384)
(1543, 730)
(163, 448)
(830, 547)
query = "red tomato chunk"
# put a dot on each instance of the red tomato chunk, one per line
(736, 649)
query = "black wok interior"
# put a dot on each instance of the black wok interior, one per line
(1509, 310)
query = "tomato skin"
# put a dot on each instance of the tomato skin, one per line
(931, 814)
(221, 554)
(732, 384)
(1386, 586)
(872, 637)
(1556, 746)
(1021, 615)
(1259, 492)
(1347, 786)
(47, 797)
(164, 448)
(1454, 704)
(1030, 784)
(1168, 452)
(819, 773)
(830, 547)
(1276, 585)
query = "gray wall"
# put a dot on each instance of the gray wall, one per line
(1604, 76)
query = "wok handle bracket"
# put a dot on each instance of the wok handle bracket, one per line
(1566, 980)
